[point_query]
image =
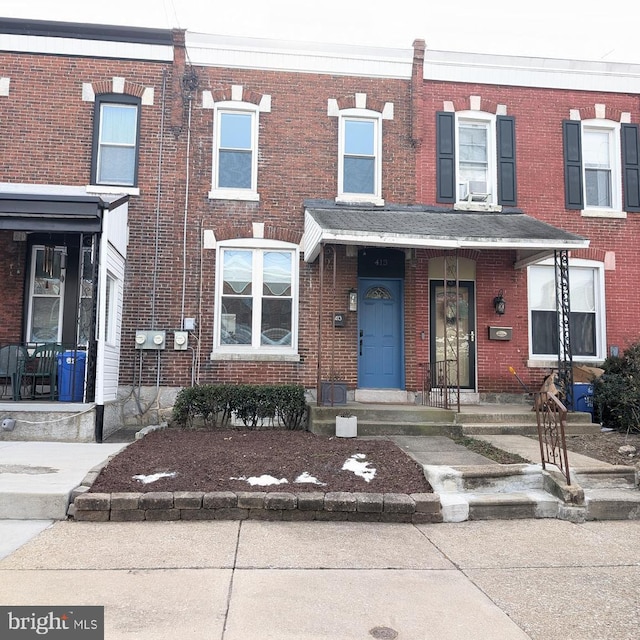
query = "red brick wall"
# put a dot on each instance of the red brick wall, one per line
(298, 156)
(49, 142)
(540, 181)
(12, 268)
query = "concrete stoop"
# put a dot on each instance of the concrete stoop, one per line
(503, 492)
(385, 420)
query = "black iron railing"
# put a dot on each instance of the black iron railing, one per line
(440, 384)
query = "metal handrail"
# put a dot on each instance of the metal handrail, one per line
(551, 416)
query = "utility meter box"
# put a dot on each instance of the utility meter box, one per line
(154, 339)
(180, 340)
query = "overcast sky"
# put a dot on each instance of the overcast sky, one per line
(591, 29)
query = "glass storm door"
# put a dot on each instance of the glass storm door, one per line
(380, 343)
(452, 321)
(46, 294)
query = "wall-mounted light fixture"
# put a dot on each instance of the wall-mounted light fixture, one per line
(353, 300)
(499, 303)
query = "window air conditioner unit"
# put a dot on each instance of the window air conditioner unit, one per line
(474, 191)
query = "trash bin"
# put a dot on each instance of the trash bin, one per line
(583, 397)
(71, 365)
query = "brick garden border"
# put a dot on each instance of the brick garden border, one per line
(417, 508)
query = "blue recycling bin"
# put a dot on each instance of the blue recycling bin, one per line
(71, 365)
(583, 397)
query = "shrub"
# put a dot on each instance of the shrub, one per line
(255, 405)
(616, 394)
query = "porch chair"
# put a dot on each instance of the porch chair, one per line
(42, 369)
(12, 359)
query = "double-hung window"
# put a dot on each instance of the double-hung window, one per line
(475, 159)
(360, 168)
(256, 300)
(235, 162)
(598, 153)
(116, 141)
(601, 167)
(586, 320)
(475, 171)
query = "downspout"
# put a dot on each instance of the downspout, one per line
(160, 150)
(158, 196)
(319, 350)
(186, 213)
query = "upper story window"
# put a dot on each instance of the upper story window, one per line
(256, 298)
(359, 158)
(235, 142)
(600, 173)
(602, 168)
(360, 147)
(587, 317)
(475, 159)
(115, 141)
(476, 169)
(235, 161)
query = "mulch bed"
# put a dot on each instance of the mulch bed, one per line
(210, 460)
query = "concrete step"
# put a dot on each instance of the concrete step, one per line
(372, 428)
(523, 429)
(384, 413)
(612, 504)
(493, 415)
(380, 419)
(513, 506)
(473, 492)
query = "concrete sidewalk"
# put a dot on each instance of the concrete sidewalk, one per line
(36, 478)
(512, 580)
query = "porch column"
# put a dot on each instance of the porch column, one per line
(563, 311)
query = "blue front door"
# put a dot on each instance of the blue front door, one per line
(380, 341)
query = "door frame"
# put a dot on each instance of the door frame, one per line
(470, 285)
(364, 283)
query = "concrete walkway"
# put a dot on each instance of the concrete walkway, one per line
(512, 580)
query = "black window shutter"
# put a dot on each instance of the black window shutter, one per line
(506, 128)
(631, 166)
(445, 156)
(572, 139)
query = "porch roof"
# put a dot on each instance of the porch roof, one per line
(425, 226)
(54, 208)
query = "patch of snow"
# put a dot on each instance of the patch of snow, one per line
(155, 476)
(305, 476)
(357, 464)
(263, 480)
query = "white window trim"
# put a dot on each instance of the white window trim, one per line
(488, 120)
(262, 352)
(221, 193)
(615, 210)
(551, 360)
(97, 188)
(34, 250)
(376, 118)
(122, 187)
(112, 286)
